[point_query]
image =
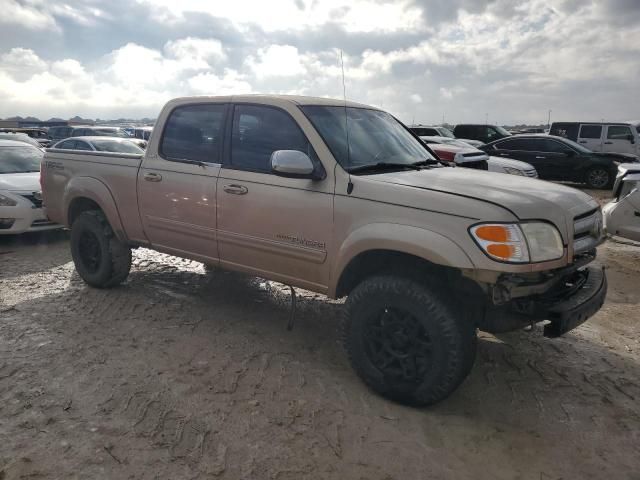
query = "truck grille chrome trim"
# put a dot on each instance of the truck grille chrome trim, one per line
(587, 231)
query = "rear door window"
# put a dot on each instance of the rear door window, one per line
(618, 132)
(194, 132)
(81, 145)
(590, 131)
(523, 144)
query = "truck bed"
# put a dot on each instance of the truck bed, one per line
(117, 172)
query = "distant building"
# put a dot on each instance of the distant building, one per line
(27, 123)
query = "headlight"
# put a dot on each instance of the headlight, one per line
(513, 171)
(519, 242)
(7, 202)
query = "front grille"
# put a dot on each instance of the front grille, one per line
(41, 223)
(37, 201)
(478, 165)
(587, 231)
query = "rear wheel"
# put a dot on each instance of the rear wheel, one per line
(405, 342)
(599, 178)
(100, 258)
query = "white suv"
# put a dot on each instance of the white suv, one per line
(618, 137)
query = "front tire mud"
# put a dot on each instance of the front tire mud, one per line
(100, 258)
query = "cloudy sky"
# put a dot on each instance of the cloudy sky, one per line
(511, 60)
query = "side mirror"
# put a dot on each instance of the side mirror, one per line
(292, 164)
(630, 138)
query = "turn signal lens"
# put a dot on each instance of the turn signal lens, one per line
(494, 233)
(500, 250)
(502, 241)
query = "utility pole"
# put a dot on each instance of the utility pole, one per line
(443, 119)
(549, 120)
(486, 119)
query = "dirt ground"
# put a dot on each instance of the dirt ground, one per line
(182, 374)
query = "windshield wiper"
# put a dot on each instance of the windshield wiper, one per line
(383, 166)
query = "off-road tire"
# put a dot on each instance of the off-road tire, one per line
(452, 338)
(590, 180)
(114, 262)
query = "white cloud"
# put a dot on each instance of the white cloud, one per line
(26, 15)
(276, 61)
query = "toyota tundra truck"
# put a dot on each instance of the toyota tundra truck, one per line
(341, 199)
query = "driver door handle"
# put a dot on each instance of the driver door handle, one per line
(152, 177)
(235, 189)
(608, 143)
(540, 157)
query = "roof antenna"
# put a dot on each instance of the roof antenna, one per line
(346, 125)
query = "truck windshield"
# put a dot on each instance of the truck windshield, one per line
(20, 159)
(375, 137)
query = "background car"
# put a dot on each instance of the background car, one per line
(494, 164)
(38, 134)
(480, 132)
(431, 131)
(100, 144)
(106, 131)
(616, 137)
(58, 133)
(422, 131)
(557, 158)
(20, 192)
(622, 215)
(20, 137)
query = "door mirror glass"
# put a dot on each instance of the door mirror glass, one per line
(291, 163)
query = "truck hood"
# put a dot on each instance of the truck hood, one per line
(20, 182)
(527, 198)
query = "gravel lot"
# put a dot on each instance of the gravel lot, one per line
(181, 373)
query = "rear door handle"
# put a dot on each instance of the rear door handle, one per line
(235, 189)
(540, 157)
(152, 177)
(608, 143)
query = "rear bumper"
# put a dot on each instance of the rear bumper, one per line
(567, 305)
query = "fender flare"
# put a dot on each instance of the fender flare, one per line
(426, 244)
(97, 191)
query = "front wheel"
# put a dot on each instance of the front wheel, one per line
(599, 178)
(100, 258)
(405, 341)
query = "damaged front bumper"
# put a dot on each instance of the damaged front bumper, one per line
(574, 297)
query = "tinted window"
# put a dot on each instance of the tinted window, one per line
(618, 132)
(20, 159)
(260, 131)
(194, 132)
(566, 130)
(590, 131)
(81, 145)
(69, 144)
(515, 144)
(115, 146)
(425, 132)
(554, 146)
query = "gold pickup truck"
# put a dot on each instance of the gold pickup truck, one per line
(342, 199)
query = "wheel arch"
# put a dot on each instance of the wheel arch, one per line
(86, 193)
(380, 248)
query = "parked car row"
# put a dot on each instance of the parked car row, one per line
(21, 208)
